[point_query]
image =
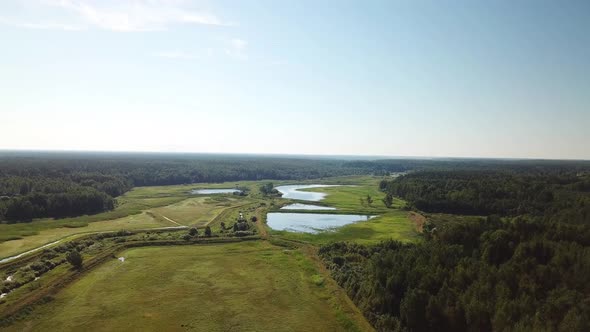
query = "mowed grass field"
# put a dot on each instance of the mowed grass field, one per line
(195, 211)
(250, 286)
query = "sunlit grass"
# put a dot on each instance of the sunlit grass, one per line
(250, 286)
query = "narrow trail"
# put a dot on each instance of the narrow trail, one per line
(8, 259)
(260, 224)
(172, 221)
(418, 220)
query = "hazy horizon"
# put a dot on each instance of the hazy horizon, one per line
(379, 79)
(286, 155)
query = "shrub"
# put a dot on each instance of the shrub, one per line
(75, 259)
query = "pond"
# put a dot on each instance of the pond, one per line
(214, 191)
(292, 192)
(310, 222)
(299, 206)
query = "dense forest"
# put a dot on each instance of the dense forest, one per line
(556, 194)
(523, 266)
(523, 275)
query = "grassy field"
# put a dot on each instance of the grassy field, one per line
(348, 198)
(136, 221)
(195, 211)
(127, 207)
(251, 286)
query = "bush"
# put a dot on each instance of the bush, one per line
(75, 259)
(208, 231)
(193, 231)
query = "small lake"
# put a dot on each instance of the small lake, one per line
(298, 206)
(292, 191)
(214, 191)
(310, 222)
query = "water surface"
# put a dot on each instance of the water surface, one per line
(310, 222)
(299, 206)
(292, 191)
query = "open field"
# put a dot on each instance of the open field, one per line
(348, 198)
(195, 211)
(132, 222)
(127, 206)
(252, 286)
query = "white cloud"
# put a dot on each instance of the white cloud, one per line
(136, 15)
(237, 49)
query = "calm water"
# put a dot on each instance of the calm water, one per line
(298, 206)
(292, 192)
(310, 222)
(214, 191)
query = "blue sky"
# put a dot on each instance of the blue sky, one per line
(398, 78)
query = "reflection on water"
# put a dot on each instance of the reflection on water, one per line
(310, 222)
(299, 206)
(292, 192)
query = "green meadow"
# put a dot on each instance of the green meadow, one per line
(251, 286)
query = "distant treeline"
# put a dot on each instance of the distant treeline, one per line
(558, 194)
(64, 184)
(36, 185)
(486, 275)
